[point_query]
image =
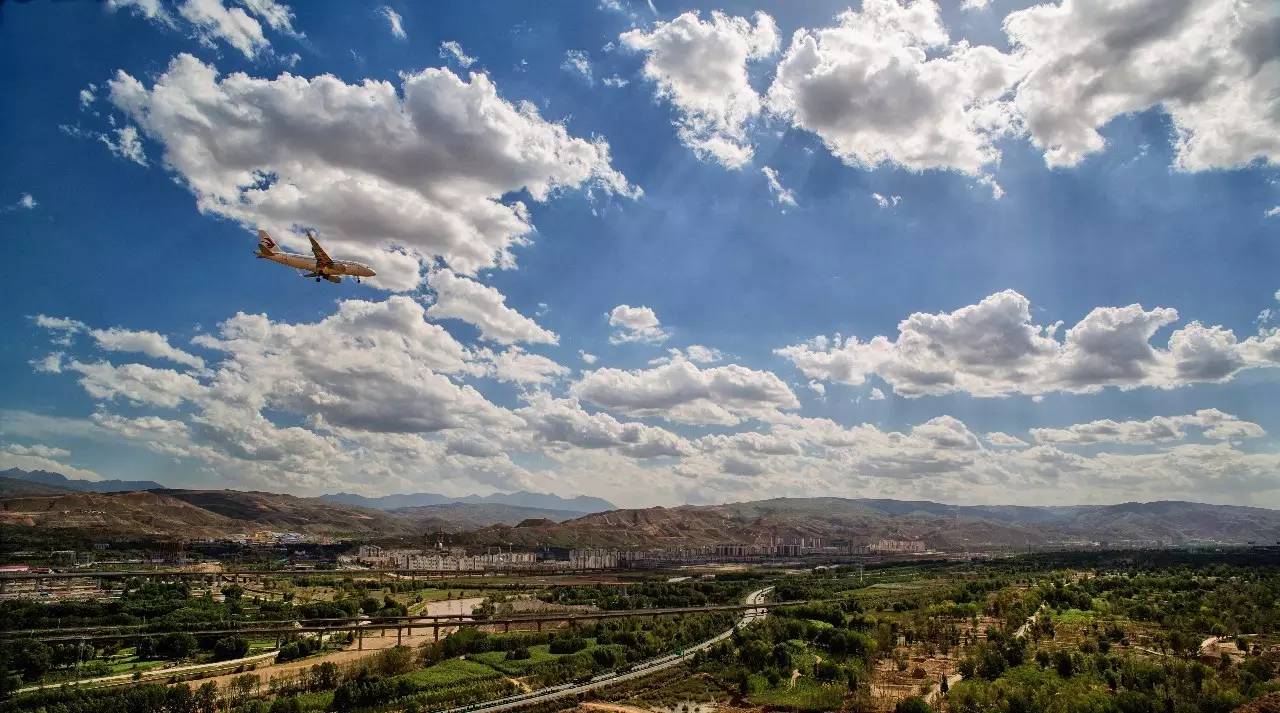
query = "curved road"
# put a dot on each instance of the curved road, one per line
(640, 670)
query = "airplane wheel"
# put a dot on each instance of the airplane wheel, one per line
(357, 280)
(317, 279)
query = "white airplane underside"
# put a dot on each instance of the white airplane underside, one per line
(318, 265)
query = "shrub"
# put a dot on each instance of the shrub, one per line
(230, 647)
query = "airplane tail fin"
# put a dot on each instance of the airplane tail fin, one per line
(266, 246)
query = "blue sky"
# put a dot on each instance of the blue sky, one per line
(535, 183)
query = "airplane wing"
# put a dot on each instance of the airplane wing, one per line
(322, 258)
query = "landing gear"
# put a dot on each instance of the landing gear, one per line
(317, 279)
(357, 280)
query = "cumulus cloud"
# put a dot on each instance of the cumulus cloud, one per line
(451, 50)
(153, 344)
(876, 394)
(781, 195)
(994, 349)
(1000, 439)
(520, 367)
(885, 84)
(136, 383)
(565, 422)
(462, 298)
(374, 393)
(1212, 65)
(1271, 213)
(212, 21)
(291, 151)
(700, 66)
(680, 391)
(1213, 423)
(587, 358)
(635, 324)
(396, 24)
(579, 63)
(117, 339)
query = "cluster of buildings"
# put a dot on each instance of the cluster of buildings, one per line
(271, 537)
(895, 547)
(455, 559)
(443, 560)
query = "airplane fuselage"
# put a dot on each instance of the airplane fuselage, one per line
(310, 264)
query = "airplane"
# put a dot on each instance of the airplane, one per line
(321, 266)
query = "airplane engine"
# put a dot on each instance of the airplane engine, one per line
(333, 278)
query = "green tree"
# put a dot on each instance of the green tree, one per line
(914, 704)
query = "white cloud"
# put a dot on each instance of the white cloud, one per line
(27, 201)
(518, 366)
(137, 383)
(1273, 212)
(886, 201)
(701, 68)
(615, 81)
(781, 196)
(876, 394)
(1212, 65)
(450, 49)
(993, 349)
(485, 307)
(885, 84)
(127, 144)
(432, 184)
(1214, 423)
(699, 354)
(635, 324)
(396, 24)
(64, 329)
(579, 63)
(586, 357)
(1000, 439)
(818, 388)
(277, 15)
(88, 95)
(680, 391)
(37, 450)
(150, 9)
(152, 344)
(50, 363)
(370, 366)
(213, 21)
(563, 421)
(974, 4)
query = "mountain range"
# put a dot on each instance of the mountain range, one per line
(939, 525)
(32, 502)
(581, 504)
(58, 480)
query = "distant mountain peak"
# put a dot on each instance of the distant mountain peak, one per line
(58, 480)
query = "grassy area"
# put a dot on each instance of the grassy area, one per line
(807, 695)
(517, 667)
(1074, 616)
(450, 673)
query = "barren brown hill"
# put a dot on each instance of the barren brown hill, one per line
(193, 513)
(142, 513)
(835, 520)
(943, 527)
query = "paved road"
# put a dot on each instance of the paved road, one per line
(640, 670)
